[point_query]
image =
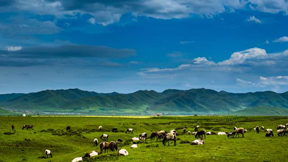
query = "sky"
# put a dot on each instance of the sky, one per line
(128, 45)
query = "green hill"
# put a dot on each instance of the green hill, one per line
(171, 101)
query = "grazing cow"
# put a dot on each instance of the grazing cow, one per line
(114, 129)
(134, 145)
(143, 136)
(196, 128)
(281, 132)
(119, 140)
(123, 152)
(198, 142)
(113, 146)
(281, 126)
(95, 142)
(257, 129)
(169, 137)
(231, 134)
(129, 130)
(104, 146)
(12, 126)
(104, 137)
(100, 128)
(221, 133)
(68, 128)
(200, 134)
(240, 131)
(48, 153)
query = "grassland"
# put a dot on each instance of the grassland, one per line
(29, 145)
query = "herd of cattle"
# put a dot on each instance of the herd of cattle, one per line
(163, 136)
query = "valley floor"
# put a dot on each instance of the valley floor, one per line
(50, 133)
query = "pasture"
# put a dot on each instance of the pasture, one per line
(50, 133)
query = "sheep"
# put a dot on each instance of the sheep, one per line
(113, 146)
(100, 128)
(134, 145)
(104, 146)
(257, 129)
(262, 127)
(48, 153)
(200, 134)
(114, 129)
(221, 133)
(168, 137)
(123, 152)
(269, 134)
(281, 132)
(240, 131)
(93, 153)
(184, 130)
(189, 133)
(231, 134)
(143, 136)
(77, 159)
(104, 136)
(95, 142)
(135, 139)
(197, 142)
(68, 128)
(281, 126)
(196, 128)
(208, 133)
(129, 130)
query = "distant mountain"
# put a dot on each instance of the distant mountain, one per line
(171, 101)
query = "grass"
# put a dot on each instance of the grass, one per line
(49, 133)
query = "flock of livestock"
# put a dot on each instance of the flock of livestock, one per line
(163, 136)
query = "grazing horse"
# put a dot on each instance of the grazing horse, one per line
(169, 137)
(113, 146)
(24, 126)
(104, 146)
(240, 131)
(153, 135)
(281, 132)
(29, 127)
(68, 128)
(200, 134)
(161, 134)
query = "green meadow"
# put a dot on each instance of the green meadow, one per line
(50, 133)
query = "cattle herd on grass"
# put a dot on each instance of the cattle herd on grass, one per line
(163, 136)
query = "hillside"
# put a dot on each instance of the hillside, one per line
(170, 101)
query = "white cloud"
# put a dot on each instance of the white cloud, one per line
(254, 19)
(13, 48)
(186, 42)
(242, 56)
(282, 39)
(203, 60)
(175, 54)
(274, 80)
(92, 21)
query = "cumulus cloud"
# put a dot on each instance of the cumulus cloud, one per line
(254, 19)
(92, 21)
(282, 39)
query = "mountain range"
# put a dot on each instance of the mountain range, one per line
(171, 101)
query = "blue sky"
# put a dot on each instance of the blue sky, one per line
(125, 45)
